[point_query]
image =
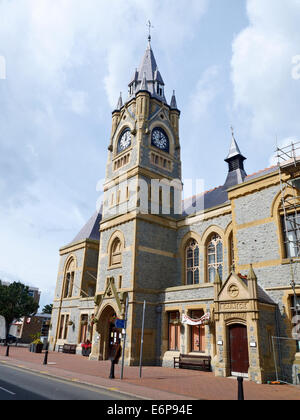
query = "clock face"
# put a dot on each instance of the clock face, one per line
(124, 141)
(160, 139)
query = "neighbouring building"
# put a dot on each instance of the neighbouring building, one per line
(230, 255)
(25, 327)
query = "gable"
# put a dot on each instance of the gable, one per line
(234, 288)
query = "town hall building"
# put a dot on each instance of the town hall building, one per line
(216, 276)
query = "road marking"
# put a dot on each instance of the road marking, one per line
(6, 390)
(93, 387)
(112, 389)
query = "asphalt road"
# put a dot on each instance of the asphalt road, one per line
(20, 384)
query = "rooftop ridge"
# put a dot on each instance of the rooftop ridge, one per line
(262, 170)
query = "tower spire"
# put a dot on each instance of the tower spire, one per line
(235, 160)
(234, 148)
(148, 77)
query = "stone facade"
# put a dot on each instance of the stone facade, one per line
(141, 256)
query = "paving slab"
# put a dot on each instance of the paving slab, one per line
(157, 383)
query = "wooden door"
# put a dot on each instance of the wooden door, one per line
(238, 346)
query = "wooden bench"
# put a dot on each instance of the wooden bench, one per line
(67, 348)
(196, 362)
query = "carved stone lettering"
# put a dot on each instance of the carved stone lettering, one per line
(234, 306)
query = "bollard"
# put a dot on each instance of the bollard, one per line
(240, 389)
(7, 350)
(46, 358)
(112, 370)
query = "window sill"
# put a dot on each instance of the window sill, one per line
(288, 260)
(188, 287)
(114, 267)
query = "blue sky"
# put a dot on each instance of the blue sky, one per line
(66, 61)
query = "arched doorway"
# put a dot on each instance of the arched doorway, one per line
(238, 349)
(110, 336)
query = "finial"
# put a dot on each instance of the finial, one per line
(232, 131)
(149, 24)
(120, 102)
(173, 104)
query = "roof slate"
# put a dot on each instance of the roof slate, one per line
(91, 230)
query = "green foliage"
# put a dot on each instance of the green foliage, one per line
(16, 303)
(47, 309)
(36, 338)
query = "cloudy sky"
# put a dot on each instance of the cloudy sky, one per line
(62, 66)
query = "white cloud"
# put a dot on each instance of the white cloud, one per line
(262, 67)
(76, 101)
(206, 91)
(62, 56)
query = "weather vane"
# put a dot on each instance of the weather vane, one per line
(232, 131)
(149, 24)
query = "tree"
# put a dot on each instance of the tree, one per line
(15, 303)
(47, 309)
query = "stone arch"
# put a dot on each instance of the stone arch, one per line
(128, 125)
(70, 266)
(103, 329)
(118, 234)
(68, 261)
(205, 240)
(231, 245)
(183, 244)
(275, 214)
(116, 237)
(235, 321)
(160, 124)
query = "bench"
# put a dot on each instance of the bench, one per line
(196, 362)
(67, 348)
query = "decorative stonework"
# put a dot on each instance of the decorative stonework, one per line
(233, 291)
(235, 316)
(234, 306)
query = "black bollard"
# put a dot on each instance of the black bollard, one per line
(46, 358)
(240, 389)
(7, 350)
(112, 370)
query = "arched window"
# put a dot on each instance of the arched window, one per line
(69, 279)
(231, 253)
(214, 257)
(290, 222)
(192, 262)
(116, 253)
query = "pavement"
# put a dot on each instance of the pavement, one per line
(157, 383)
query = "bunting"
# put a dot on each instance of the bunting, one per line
(189, 321)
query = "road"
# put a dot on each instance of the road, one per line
(20, 384)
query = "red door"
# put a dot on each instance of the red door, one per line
(239, 356)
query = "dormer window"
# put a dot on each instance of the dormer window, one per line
(131, 89)
(159, 90)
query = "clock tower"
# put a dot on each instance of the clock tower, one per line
(142, 202)
(144, 148)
